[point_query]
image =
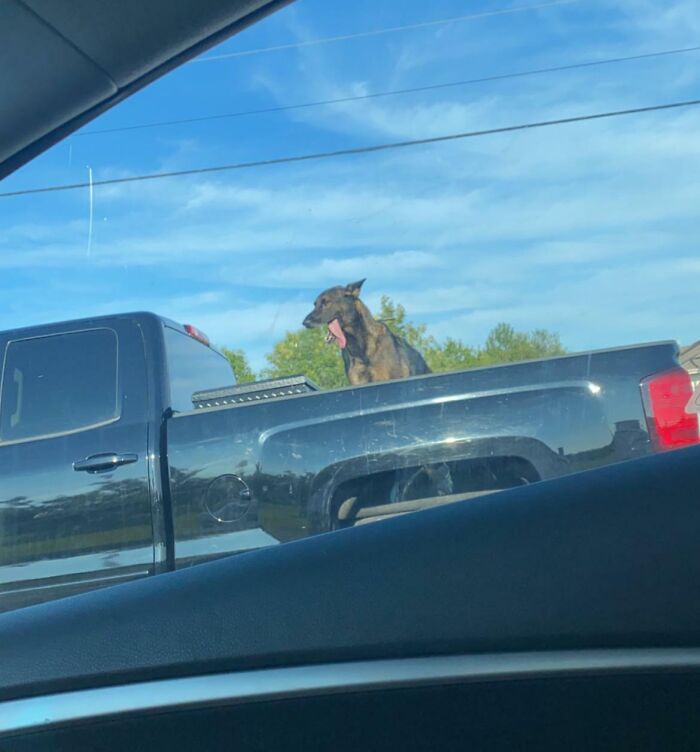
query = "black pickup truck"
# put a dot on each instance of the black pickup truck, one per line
(126, 449)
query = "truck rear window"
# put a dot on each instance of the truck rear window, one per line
(58, 384)
(193, 367)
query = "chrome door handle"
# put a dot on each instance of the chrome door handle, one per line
(98, 463)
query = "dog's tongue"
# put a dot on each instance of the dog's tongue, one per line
(336, 333)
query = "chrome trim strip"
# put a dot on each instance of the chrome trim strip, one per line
(99, 564)
(38, 713)
(106, 579)
(222, 544)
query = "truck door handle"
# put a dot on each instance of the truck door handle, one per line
(97, 463)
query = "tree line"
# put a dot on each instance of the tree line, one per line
(305, 351)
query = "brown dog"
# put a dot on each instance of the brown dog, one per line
(371, 351)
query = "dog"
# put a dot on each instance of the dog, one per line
(372, 352)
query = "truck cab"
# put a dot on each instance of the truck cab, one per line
(82, 447)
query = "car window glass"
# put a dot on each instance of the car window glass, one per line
(60, 383)
(193, 367)
(443, 251)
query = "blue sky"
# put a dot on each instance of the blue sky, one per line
(588, 229)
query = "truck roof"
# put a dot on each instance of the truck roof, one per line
(90, 321)
(98, 320)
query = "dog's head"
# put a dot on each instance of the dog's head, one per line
(336, 308)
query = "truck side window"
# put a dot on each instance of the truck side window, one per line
(59, 383)
(193, 367)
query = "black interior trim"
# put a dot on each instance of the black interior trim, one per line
(69, 42)
(14, 162)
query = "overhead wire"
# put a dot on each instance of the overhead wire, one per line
(377, 32)
(394, 92)
(373, 148)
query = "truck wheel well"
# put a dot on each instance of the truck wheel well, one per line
(468, 475)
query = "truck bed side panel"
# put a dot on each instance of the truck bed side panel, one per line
(242, 474)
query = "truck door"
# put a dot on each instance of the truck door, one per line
(74, 493)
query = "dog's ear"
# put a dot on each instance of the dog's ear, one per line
(354, 288)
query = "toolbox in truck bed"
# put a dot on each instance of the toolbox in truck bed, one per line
(254, 392)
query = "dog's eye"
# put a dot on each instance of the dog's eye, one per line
(323, 301)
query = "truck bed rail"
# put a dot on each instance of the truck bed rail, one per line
(254, 391)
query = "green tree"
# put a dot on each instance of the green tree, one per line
(505, 345)
(451, 355)
(305, 351)
(448, 356)
(239, 364)
(394, 316)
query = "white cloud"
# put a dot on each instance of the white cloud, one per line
(331, 271)
(676, 22)
(611, 305)
(588, 229)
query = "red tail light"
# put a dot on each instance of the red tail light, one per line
(665, 397)
(196, 334)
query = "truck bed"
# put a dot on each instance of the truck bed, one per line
(301, 456)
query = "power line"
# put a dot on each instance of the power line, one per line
(358, 149)
(394, 92)
(377, 32)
